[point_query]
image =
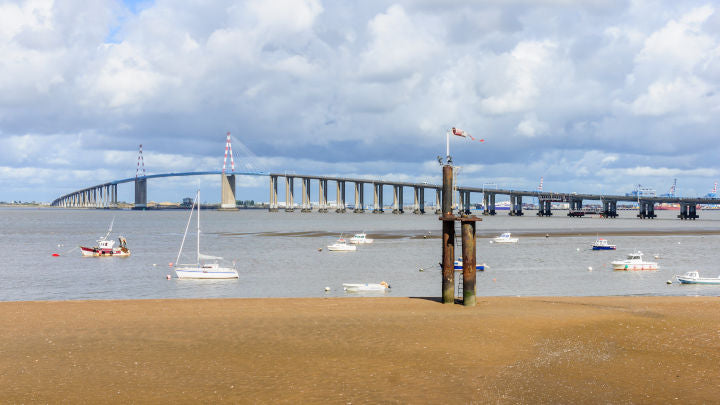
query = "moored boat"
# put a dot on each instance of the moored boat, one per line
(634, 261)
(341, 245)
(459, 265)
(693, 277)
(201, 269)
(505, 237)
(361, 238)
(381, 286)
(105, 247)
(602, 244)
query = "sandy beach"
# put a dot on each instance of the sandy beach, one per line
(362, 350)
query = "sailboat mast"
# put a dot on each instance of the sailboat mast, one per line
(198, 228)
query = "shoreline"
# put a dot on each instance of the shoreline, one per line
(337, 350)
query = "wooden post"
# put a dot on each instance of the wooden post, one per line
(468, 255)
(448, 239)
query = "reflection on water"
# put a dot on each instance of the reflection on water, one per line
(285, 254)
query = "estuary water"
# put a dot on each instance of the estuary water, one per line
(277, 254)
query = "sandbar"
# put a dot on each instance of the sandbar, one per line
(362, 350)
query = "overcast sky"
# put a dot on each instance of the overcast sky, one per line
(593, 96)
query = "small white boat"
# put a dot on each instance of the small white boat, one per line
(693, 277)
(382, 286)
(634, 261)
(504, 238)
(199, 269)
(341, 245)
(602, 244)
(105, 247)
(361, 238)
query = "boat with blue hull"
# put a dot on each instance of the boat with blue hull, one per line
(602, 244)
(459, 265)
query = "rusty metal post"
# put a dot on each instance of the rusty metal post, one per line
(468, 254)
(448, 239)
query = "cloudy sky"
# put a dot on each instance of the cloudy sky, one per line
(593, 96)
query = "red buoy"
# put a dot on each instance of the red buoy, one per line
(55, 254)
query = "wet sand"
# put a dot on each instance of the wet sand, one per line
(362, 350)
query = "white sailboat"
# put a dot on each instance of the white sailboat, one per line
(200, 269)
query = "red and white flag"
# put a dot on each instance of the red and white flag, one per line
(460, 132)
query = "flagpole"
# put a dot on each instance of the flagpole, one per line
(447, 144)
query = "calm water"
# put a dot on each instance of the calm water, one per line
(272, 265)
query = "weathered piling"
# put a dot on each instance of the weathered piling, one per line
(448, 239)
(468, 254)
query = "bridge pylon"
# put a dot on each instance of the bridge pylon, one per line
(227, 180)
(140, 183)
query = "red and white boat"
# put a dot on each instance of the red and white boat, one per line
(105, 247)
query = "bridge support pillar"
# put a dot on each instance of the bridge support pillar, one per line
(647, 209)
(576, 208)
(489, 203)
(688, 211)
(516, 205)
(322, 195)
(306, 206)
(377, 198)
(609, 209)
(397, 199)
(419, 200)
(140, 194)
(359, 197)
(466, 202)
(340, 196)
(544, 208)
(438, 201)
(273, 203)
(289, 194)
(227, 192)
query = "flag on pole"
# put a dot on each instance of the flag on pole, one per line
(464, 134)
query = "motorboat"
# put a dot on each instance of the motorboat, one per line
(201, 269)
(602, 244)
(459, 265)
(361, 238)
(341, 245)
(504, 238)
(693, 277)
(634, 261)
(106, 247)
(382, 286)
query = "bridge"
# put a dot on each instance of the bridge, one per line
(105, 195)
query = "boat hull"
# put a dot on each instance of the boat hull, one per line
(701, 280)
(634, 266)
(202, 274)
(98, 252)
(459, 267)
(610, 247)
(347, 248)
(364, 287)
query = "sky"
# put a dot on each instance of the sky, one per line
(593, 96)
